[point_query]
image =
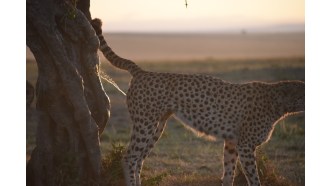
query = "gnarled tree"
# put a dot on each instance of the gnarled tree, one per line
(73, 105)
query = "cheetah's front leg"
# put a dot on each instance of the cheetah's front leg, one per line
(229, 163)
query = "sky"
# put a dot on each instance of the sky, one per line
(200, 15)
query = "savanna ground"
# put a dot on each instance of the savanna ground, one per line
(182, 159)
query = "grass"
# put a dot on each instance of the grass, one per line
(180, 158)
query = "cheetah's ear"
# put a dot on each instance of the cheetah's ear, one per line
(97, 25)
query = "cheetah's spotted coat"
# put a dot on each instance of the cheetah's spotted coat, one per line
(243, 115)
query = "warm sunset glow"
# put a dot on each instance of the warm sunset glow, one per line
(201, 15)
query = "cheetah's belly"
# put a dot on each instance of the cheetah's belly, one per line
(192, 125)
(205, 126)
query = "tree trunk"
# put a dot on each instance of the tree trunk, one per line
(73, 105)
(29, 94)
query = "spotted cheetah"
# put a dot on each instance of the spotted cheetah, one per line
(243, 115)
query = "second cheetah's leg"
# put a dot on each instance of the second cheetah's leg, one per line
(247, 158)
(229, 163)
(156, 135)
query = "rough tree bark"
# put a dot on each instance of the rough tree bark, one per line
(73, 105)
(29, 94)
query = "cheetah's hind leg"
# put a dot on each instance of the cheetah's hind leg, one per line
(229, 162)
(143, 140)
(151, 143)
(247, 157)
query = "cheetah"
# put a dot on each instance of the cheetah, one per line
(242, 115)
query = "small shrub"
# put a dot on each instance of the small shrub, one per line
(112, 171)
(266, 170)
(154, 181)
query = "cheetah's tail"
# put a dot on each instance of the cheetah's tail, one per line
(111, 56)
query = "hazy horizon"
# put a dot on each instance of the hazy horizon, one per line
(199, 46)
(271, 29)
